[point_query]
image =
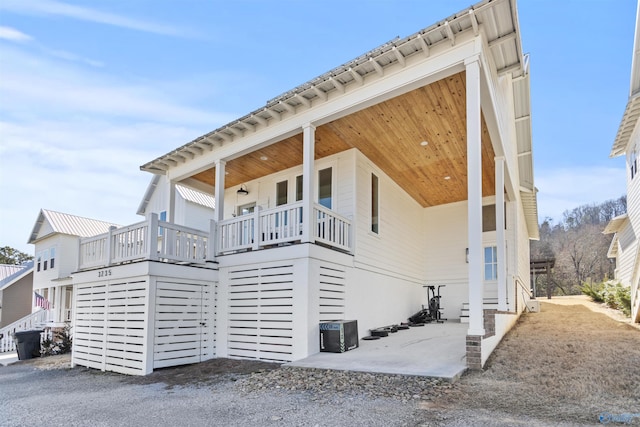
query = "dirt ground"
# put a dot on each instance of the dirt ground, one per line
(570, 364)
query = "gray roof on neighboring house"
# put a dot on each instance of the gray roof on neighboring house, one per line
(72, 225)
(9, 274)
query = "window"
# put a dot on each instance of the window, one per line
(489, 218)
(246, 209)
(324, 187)
(633, 164)
(38, 260)
(52, 259)
(298, 188)
(491, 263)
(281, 193)
(45, 259)
(374, 203)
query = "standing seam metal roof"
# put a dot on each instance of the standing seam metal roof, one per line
(69, 224)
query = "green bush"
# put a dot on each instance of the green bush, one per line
(593, 290)
(613, 294)
(60, 344)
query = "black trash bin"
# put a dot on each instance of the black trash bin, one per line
(27, 344)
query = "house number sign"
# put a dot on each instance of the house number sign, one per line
(104, 273)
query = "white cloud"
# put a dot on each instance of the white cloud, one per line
(55, 8)
(8, 33)
(564, 189)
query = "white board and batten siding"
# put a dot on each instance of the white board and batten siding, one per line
(134, 323)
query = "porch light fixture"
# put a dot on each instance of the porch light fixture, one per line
(424, 143)
(243, 190)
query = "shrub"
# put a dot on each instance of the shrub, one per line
(614, 294)
(60, 344)
(593, 290)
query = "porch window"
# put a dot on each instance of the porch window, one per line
(324, 187)
(374, 203)
(281, 193)
(490, 263)
(298, 188)
(489, 218)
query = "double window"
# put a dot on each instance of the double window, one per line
(46, 259)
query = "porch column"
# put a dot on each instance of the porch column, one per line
(500, 235)
(474, 197)
(308, 158)
(219, 190)
(171, 215)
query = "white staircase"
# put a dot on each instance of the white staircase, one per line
(487, 304)
(29, 322)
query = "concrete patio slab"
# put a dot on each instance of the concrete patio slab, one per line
(434, 350)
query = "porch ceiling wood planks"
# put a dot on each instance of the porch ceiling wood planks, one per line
(389, 134)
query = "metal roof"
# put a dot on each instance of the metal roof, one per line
(73, 225)
(197, 197)
(9, 274)
(632, 110)
(497, 18)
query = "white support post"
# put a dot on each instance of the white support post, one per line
(256, 228)
(171, 215)
(152, 254)
(212, 244)
(474, 198)
(500, 235)
(109, 245)
(219, 189)
(308, 175)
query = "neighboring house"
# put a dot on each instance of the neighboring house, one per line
(624, 246)
(410, 165)
(189, 207)
(16, 290)
(56, 239)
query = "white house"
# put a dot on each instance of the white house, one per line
(55, 236)
(409, 165)
(624, 245)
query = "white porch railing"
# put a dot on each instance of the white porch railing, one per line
(164, 241)
(29, 322)
(331, 228)
(282, 224)
(151, 240)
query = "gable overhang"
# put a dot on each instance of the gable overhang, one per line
(632, 110)
(364, 104)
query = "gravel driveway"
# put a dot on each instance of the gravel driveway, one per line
(33, 396)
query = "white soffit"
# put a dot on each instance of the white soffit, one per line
(616, 224)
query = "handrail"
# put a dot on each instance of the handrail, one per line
(28, 322)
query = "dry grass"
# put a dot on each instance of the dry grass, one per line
(564, 364)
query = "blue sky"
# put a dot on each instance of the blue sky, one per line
(91, 90)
